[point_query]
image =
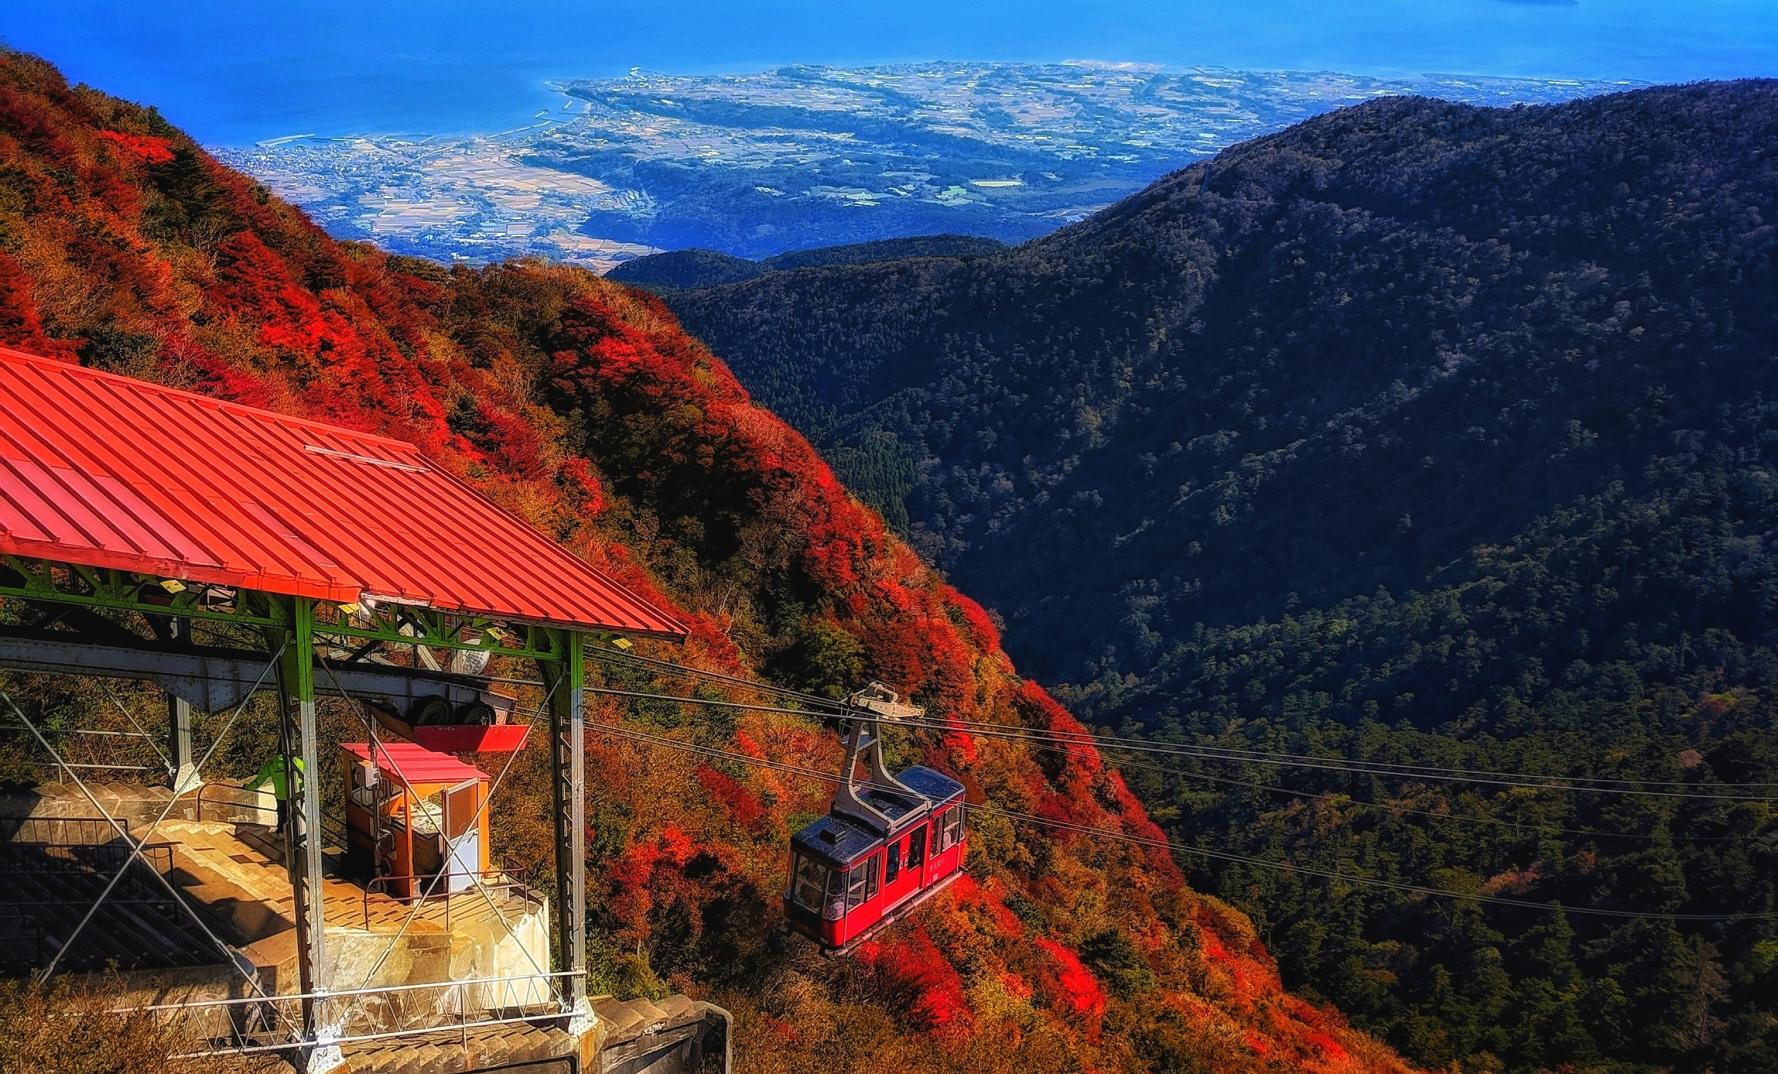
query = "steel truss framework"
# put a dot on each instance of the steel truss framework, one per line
(290, 629)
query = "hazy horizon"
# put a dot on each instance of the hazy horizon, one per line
(234, 75)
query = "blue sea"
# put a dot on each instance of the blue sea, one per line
(233, 72)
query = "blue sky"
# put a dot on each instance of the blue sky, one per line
(232, 71)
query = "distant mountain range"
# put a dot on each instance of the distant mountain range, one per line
(680, 269)
(1415, 434)
(798, 157)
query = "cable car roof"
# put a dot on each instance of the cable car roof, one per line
(835, 841)
(934, 785)
(839, 841)
(101, 470)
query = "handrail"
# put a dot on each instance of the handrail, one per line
(86, 831)
(370, 990)
(461, 1027)
(335, 831)
(200, 798)
(244, 1030)
(499, 882)
(112, 855)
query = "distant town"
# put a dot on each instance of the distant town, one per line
(758, 164)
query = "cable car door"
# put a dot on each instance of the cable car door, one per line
(900, 879)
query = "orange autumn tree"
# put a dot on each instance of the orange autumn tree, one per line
(584, 408)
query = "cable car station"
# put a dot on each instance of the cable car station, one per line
(344, 909)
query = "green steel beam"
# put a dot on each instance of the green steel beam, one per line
(125, 591)
(42, 581)
(437, 630)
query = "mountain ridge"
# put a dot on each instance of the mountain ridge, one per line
(1417, 434)
(682, 269)
(584, 409)
(845, 376)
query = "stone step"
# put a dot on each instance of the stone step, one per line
(448, 1053)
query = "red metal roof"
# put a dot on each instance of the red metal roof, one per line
(105, 471)
(408, 763)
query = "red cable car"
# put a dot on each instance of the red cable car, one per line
(885, 847)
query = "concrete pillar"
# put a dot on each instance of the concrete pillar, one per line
(179, 755)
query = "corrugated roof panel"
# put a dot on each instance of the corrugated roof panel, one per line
(411, 763)
(106, 471)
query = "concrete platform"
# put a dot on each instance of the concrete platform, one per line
(234, 875)
(231, 871)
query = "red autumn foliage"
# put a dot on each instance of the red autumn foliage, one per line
(743, 806)
(141, 146)
(969, 894)
(917, 977)
(585, 409)
(1070, 985)
(21, 325)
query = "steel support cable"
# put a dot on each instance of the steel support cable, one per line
(1126, 763)
(1038, 741)
(166, 810)
(1181, 773)
(612, 656)
(1187, 848)
(128, 715)
(1107, 741)
(1530, 781)
(123, 833)
(1533, 781)
(1035, 736)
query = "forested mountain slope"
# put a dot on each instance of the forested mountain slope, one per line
(1333, 358)
(584, 408)
(1416, 433)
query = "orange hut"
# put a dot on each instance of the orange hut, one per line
(416, 814)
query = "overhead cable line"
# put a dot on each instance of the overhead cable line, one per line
(1187, 848)
(1037, 737)
(1105, 741)
(1317, 796)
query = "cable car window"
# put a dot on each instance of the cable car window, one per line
(836, 895)
(808, 883)
(893, 869)
(947, 830)
(917, 848)
(861, 885)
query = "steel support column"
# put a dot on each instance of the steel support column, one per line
(302, 828)
(565, 677)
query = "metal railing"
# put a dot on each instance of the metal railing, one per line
(60, 831)
(247, 1025)
(488, 881)
(252, 803)
(82, 858)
